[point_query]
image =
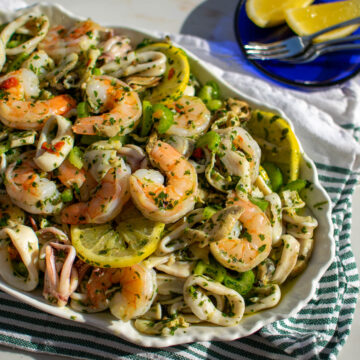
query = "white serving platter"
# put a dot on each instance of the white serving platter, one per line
(297, 296)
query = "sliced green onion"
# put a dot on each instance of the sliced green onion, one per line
(275, 175)
(147, 120)
(17, 62)
(67, 195)
(82, 110)
(296, 185)
(124, 139)
(96, 71)
(163, 116)
(214, 271)
(242, 284)
(13, 43)
(76, 157)
(261, 203)
(4, 147)
(211, 140)
(90, 139)
(208, 212)
(20, 268)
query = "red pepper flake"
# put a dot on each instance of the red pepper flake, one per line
(198, 153)
(9, 83)
(53, 149)
(171, 73)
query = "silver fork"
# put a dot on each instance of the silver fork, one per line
(290, 47)
(315, 51)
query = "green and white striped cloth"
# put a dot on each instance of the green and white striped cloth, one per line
(326, 125)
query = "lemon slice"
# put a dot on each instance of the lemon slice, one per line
(267, 13)
(316, 17)
(176, 76)
(103, 246)
(277, 141)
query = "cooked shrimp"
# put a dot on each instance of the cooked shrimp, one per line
(29, 189)
(245, 252)
(19, 110)
(129, 291)
(70, 176)
(60, 42)
(192, 117)
(120, 107)
(110, 196)
(155, 200)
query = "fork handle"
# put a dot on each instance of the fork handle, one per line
(334, 27)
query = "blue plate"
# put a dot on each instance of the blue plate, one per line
(326, 70)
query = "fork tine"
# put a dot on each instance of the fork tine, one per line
(262, 46)
(265, 53)
(276, 56)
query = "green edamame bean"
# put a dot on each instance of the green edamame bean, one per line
(214, 104)
(215, 94)
(275, 175)
(205, 93)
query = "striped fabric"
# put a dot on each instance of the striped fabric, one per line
(318, 331)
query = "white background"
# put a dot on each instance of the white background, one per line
(211, 19)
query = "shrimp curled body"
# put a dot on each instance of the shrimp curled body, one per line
(107, 202)
(155, 200)
(29, 190)
(19, 110)
(119, 105)
(246, 252)
(137, 284)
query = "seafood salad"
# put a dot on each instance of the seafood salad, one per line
(129, 186)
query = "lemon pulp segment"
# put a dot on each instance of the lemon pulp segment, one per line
(267, 13)
(277, 141)
(306, 21)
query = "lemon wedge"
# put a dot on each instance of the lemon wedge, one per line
(176, 76)
(311, 19)
(101, 245)
(267, 13)
(277, 141)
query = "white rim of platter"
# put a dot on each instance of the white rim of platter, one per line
(292, 302)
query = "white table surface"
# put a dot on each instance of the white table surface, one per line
(211, 19)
